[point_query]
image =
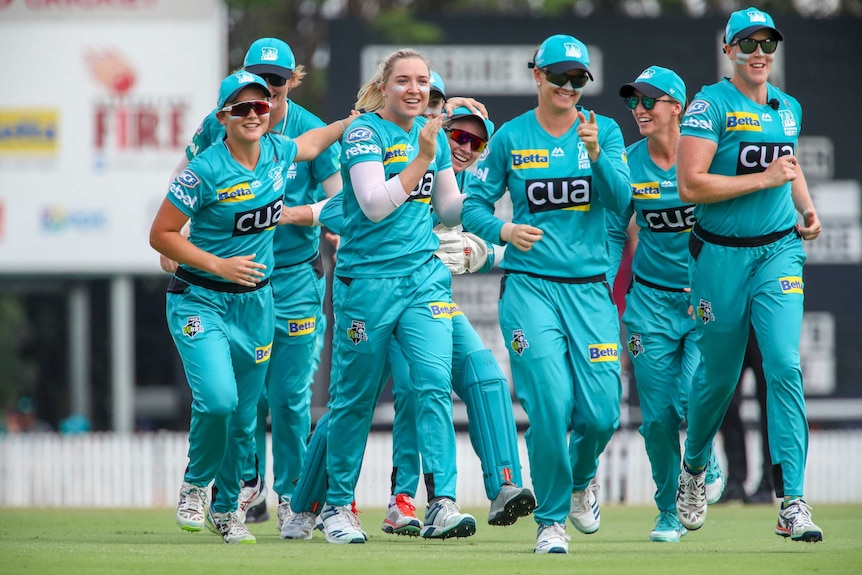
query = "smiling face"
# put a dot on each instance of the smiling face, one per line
(406, 91)
(250, 128)
(753, 69)
(664, 115)
(463, 155)
(558, 99)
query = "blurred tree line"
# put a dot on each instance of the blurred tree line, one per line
(302, 23)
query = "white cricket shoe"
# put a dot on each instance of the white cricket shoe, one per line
(401, 517)
(229, 526)
(794, 521)
(249, 496)
(552, 539)
(191, 507)
(691, 499)
(585, 513)
(443, 519)
(341, 525)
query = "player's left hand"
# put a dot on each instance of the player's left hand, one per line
(809, 229)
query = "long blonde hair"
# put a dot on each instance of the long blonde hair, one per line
(370, 95)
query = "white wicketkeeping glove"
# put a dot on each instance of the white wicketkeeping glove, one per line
(462, 252)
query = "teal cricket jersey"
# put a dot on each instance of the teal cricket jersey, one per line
(554, 186)
(749, 136)
(403, 241)
(292, 244)
(664, 222)
(234, 210)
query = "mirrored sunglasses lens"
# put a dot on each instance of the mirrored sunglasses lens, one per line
(461, 137)
(243, 108)
(632, 102)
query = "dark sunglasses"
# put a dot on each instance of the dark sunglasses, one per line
(749, 45)
(648, 103)
(462, 137)
(274, 80)
(241, 109)
(577, 82)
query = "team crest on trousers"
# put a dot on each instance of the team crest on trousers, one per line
(704, 311)
(356, 332)
(635, 346)
(193, 326)
(519, 342)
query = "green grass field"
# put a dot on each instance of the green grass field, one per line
(736, 540)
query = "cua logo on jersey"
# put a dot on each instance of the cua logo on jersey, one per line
(601, 352)
(261, 354)
(422, 191)
(304, 326)
(678, 219)
(791, 284)
(356, 332)
(646, 191)
(559, 194)
(519, 342)
(358, 135)
(188, 178)
(396, 154)
(257, 220)
(238, 193)
(635, 346)
(526, 159)
(443, 309)
(755, 157)
(704, 311)
(742, 121)
(193, 326)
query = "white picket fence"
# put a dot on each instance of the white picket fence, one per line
(145, 470)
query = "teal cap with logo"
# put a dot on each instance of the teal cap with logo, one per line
(270, 56)
(743, 23)
(233, 85)
(463, 112)
(655, 82)
(560, 53)
(437, 84)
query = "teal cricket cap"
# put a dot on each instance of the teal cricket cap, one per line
(743, 23)
(233, 85)
(464, 112)
(560, 53)
(655, 82)
(437, 84)
(270, 56)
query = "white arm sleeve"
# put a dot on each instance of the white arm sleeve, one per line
(447, 198)
(316, 208)
(376, 196)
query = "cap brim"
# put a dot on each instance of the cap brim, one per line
(746, 32)
(479, 121)
(563, 67)
(236, 92)
(438, 92)
(270, 69)
(646, 89)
